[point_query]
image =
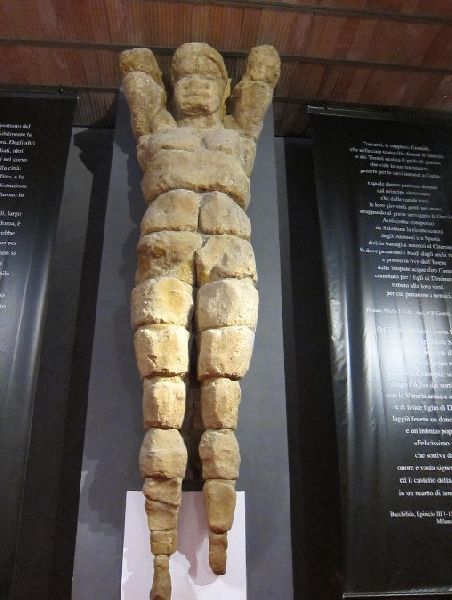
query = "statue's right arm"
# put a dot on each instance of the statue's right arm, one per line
(253, 95)
(145, 92)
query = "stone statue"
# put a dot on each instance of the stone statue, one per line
(196, 275)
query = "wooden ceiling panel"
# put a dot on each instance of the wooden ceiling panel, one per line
(323, 35)
(280, 31)
(370, 40)
(389, 39)
(363, 85)
(416, 9)
(379, 52)
(169, 24)
(440, 52)
(419, 8)
(411, 90)
(306, 81)
(67, 67)
(224, 23)
(413, 47)
(337, 82)
(441, 97)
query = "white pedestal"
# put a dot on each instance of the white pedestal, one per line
(191, 577)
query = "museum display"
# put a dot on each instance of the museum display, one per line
(195, 304)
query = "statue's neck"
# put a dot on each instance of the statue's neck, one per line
(200, 121)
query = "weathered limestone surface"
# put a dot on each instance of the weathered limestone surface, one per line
(220, 455)
(162, 350)
(164, 542)
(225, 352)
(188, 139)
(167, 491)
(176, 210)
(220, 399)
(219, 497)
(225, 256)
(219, 214)
(231, 142)
(218, 544)
(160, 516)
(163, 454)
(140, 60)
(196, 277)
(162, 300)
(161, 584)
(167, 253)
(163, 402)
(201, 171)
(227, 302)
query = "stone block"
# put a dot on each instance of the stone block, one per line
(163, 402)
(218, 545)
(220, 399)
(163, 454)
(164, 542)
(161, 583)
(176, 210)
(220, 455)
(162, 300)
(162, 350)
(225, 352)
(202, 171)
(224, 140)
(160, 516)
(219, 499)
(188, 139)
(225, 256)
(219, 215)
(167, 491)
(167, 254)
(226, 303)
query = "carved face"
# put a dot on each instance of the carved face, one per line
(196, 96)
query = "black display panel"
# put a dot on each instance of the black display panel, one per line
(384, 192)
(35, 132)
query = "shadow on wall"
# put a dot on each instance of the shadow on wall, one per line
(88, 180)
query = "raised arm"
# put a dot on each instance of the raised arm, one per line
(253, 95)
(145, 92)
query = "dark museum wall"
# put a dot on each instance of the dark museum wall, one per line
(57, 439)
(50, 504)
(114, 411)
(315, 510)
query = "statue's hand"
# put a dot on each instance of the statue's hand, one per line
(263, 65)
(145, 91)
(252, 96)
(142, 60)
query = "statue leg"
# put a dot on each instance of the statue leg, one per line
(162, 315)
(226, 317)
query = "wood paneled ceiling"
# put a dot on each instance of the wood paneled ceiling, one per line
(385, 53)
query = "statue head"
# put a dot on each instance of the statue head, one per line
(199, 76)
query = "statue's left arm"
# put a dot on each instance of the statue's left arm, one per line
(253, 95)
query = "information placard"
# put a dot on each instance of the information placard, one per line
(35, 132)
(384, 193)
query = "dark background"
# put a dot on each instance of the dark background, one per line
(25, 289)
(383, 555)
